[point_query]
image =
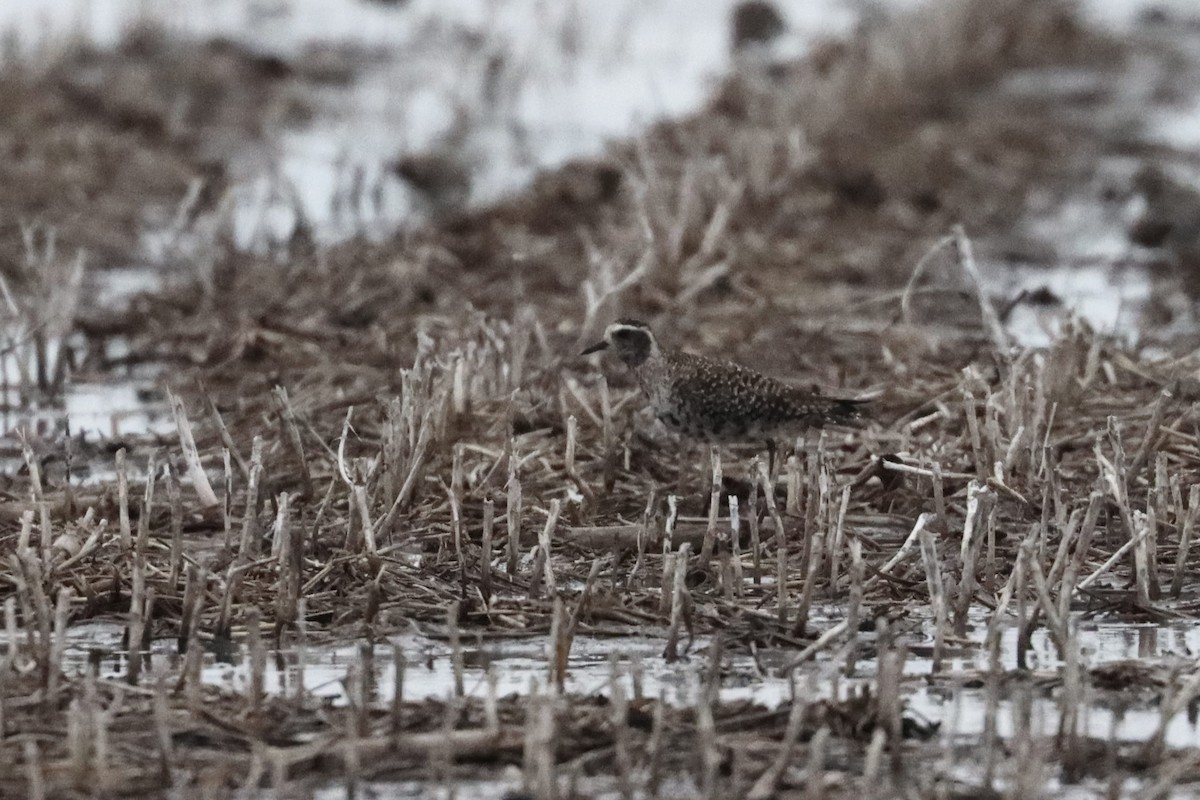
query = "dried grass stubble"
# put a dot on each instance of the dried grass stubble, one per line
(1012, 426)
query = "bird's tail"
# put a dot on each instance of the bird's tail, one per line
(845, 411)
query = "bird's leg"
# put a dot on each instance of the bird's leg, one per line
(679, 470)
(770, 487)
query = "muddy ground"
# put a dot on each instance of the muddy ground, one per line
(379, 439)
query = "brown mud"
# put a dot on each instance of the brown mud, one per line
(377, 437)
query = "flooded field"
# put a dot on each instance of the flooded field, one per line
(307, 492)
(421, 108)
(951, 703)
(437, 103)
(948, 698)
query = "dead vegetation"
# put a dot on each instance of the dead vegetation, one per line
(98, 146)
(374, 438)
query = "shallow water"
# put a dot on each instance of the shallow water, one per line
(90, 406)
(951, 697)
(511, 88)
(505, 89)
(417, 790)
(564, 103)
(1080, 234)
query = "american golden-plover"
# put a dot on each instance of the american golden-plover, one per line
(719, 401)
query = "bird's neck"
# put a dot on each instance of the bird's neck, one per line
(652, 371)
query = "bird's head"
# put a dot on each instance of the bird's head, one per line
(631, 341)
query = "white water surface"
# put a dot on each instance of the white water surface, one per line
(518, 665)
(505, 88)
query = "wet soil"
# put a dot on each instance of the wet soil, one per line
(429, 397)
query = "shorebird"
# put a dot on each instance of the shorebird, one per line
(719, 401)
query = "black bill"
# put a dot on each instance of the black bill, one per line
(596, 348)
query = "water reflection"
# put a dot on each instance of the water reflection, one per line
(955, 696)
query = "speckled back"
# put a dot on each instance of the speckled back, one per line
(725, 402)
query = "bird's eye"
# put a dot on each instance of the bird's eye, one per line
(623, 333)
